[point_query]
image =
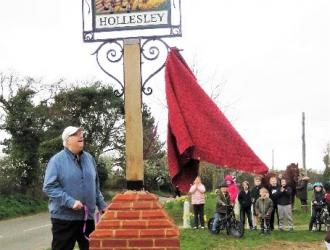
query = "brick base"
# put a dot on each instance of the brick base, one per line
(135, 221)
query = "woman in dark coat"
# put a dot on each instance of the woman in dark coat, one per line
(302, 191)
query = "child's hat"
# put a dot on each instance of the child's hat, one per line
(222, 184)
(317, 184)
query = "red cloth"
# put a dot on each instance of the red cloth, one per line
(198, 130)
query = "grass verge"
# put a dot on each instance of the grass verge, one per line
(199, 239)
(17, 205)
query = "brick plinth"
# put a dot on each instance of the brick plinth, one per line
(135, 221)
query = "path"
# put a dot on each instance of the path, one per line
(26, 233)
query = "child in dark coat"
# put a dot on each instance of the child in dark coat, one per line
(264, 207)
(245, 201)
(273, 191)
(254, 196)
(222, 203)
(284, 205)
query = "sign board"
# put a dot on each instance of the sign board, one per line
(115, 19)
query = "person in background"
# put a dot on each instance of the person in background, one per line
(255, 194)
(284, 205)
(197, 191)
(302, 191)
(222, 203)
(327, 195)
(317, 203)
(245, 201)
(264, 207)
(273, 191)
(72, 185)
(232, 189)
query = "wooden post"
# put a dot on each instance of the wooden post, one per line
(133, 115)
(303, 143)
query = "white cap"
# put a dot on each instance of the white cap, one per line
(69, 131)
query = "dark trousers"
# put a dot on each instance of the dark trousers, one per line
(265, 224)
(315, 211)
(199, 214)
(66, 233)
(246, 211)
(272, 217)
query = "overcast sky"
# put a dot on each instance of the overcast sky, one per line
(270, 58)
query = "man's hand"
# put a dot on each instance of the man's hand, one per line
(77, 205)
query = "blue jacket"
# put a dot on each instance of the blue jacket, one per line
(67, 181)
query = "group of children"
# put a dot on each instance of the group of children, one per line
(259, 204)
(264, 202)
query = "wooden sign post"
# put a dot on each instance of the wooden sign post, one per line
(134, 219)
(133, 114)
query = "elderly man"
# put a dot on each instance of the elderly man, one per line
(72, 185)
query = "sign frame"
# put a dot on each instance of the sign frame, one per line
(104, 25)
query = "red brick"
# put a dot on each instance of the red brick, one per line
(152, 233)
(143, 205)
(108, 215)
(160, 224)
(172, 232)
(127, 233)
(97, 248)
(128, 214)
(110, 224)
(147, 197)
(134, 224)
(94, 243)
(125, 197)
(141, 243)
(120, 206)
(153, 214)
(167, 243)
(156, 205)
(173, 248)
(152, 248)
(122, 248)
(101, 233)
(114, 243)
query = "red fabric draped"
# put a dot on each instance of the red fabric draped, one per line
(198, 130)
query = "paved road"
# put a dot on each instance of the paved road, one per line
(26, 233)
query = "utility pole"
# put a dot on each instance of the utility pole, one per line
(273, 167)
(303, 143)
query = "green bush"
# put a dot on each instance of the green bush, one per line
(16, 205)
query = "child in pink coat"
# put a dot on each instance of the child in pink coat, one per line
(232, 188)
(197, 191)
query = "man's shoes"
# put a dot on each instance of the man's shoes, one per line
(202, 227)
(254, 228)
(194, 227)
(291, 229)
(281, 229)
